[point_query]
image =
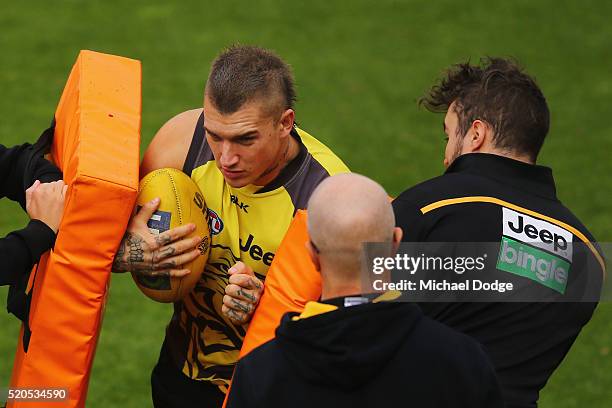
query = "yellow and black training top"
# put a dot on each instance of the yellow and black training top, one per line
(246, 224)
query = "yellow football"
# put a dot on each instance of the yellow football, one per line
(181, 202)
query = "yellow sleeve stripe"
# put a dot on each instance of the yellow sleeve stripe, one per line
(493, 200)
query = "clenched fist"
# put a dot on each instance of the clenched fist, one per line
(45, 202)
(242, 294)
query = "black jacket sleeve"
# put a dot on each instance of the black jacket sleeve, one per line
(20, 250)
(14, 163)
(410, 219)
(240, 395)
(488, 385)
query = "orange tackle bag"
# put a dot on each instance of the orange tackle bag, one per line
(96, 145)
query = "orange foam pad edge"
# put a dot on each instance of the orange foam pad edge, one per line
(96, 145)
(291, 282)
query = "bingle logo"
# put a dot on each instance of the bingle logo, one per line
(532, 263)
(214, 222)
(539, 233)
(545, 268)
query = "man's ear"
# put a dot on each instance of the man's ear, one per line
(478, 138)
(286, 121)
(314, 256)
(397, 238)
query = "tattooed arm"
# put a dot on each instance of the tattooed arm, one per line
(155, 255)
(242, 294)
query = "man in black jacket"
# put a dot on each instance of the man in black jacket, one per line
(492, 191)
(358, 350)
(21, 167)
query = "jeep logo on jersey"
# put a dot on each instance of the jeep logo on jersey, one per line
(239, 203)
(539, 233)
(255, 251)
(214, 222)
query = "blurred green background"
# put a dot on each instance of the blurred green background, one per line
(360, 66)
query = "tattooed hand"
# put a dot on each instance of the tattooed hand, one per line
(241, 294)
(155, 255)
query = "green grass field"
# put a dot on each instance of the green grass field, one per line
(360, 67)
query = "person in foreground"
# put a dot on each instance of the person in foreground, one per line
(255, 169)
(355, 349)
(493, 191)
(36, 185)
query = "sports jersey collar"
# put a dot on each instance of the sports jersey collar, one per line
(358, 299)
(533, 178)
(290, 169)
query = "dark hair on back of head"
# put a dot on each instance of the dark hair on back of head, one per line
(500, 93)
(242, 73)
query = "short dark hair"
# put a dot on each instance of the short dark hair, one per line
(498, 92)
(242, 73)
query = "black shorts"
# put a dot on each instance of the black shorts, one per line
(170, 388)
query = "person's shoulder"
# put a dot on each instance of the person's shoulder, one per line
(465, 362)
(316, 162)
(452, 345)
(268, 354)
(257, 376)
(436, 188)
(407, 205)
(570, 218)
(322, 154)
(268, 348)
(171, 143)
(182, 123)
